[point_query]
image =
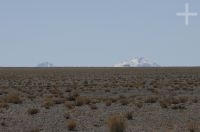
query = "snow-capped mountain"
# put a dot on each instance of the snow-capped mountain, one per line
(45, 64)
(137, 62)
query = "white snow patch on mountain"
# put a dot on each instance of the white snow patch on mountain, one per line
(137, 62)
(45, 64)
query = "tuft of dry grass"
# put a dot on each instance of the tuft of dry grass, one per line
(116, 123)
(108, 103)
(67, 115)
(193, 127)
(73, 95)
(164, 103)
(124, 102)
(107, 90)
(139, 104)
(71, 124)
(3, 104)
(58, 100)
(69, 105)
(129, 115)
(32, 111)
(13, 98)
(80, 100)
(151, 99)
(93, 106)
(48, 102)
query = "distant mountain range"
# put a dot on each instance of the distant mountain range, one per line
(45, 64)
(134, 62)
(137, 62)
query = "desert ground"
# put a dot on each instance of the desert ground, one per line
(100, 99)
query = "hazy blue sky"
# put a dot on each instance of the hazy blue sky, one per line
(98, 32)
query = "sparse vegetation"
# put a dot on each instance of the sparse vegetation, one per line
(193, 126)
(116, 123)
(108, 103)
(48, 102)
(81, 101)
(151, 99)
(13, 98)
(166, 97)
(32, 111)
(124, 102)
(71, 124)
(93, 106)
(129, 115)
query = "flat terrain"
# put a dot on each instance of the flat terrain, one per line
(94, 99)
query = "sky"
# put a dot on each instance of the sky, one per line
(98, 32)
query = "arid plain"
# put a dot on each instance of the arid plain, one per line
(100, 99)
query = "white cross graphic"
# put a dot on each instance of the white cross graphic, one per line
(186, 14)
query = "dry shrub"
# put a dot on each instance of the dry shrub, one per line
(178, 106)
(48, 102)
(108, 103)
(129, 115)
(72, 96)
(58, 100)
(3, 105)
(13, 98)
(85, 83)
(56, 92)
(80, 100)
(121, 96)
(69, 105)
(193, 127)
(195, 99)
(93, 106)
(124, 102)
(139, 104)
(116, 123)
(151, 99)
(107, 90)
(164, 103)
(183, 99)
(32, 111)
(67, 115)
(71, 124)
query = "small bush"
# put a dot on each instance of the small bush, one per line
(151, 99)
(124, 102)
(48, 102)
(13, 98)
(129, 115)
(3, 104)
(72, 96)
(193, 127)
(178, 106)
(108, 103)
(71, 125)
(93, 107)
(32, 111)
(81, 101)
(116, 124)
(107, 90)
(67, 115)
(58, 100)
(164, 103)
(195, 100)
(69, 105)
(183, 99)
(139, 104)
